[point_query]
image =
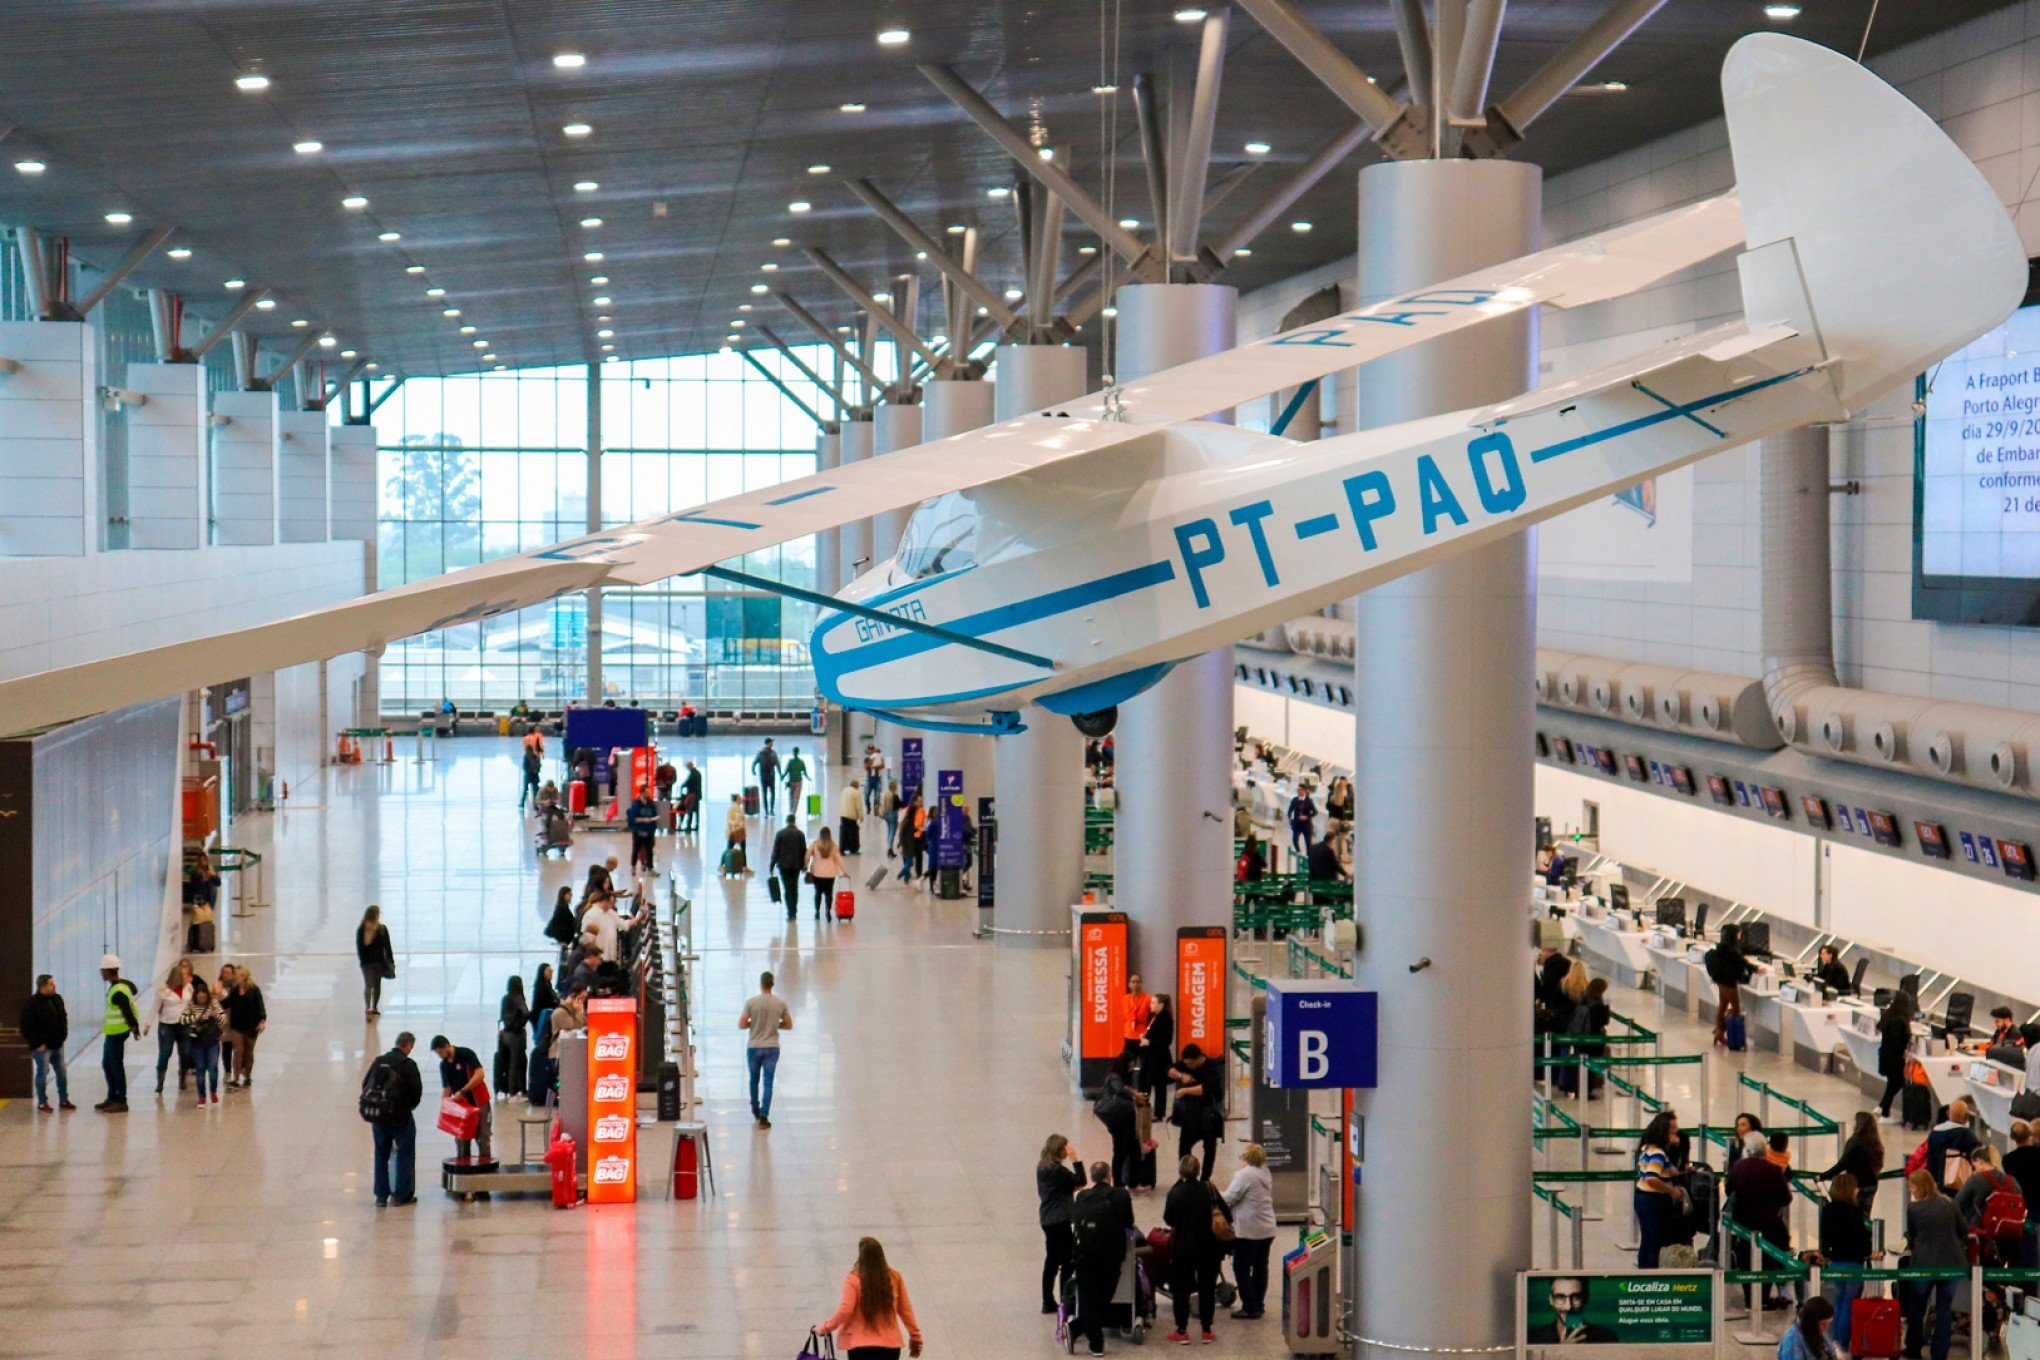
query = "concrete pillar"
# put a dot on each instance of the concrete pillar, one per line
(955, 406)
(893, 427)
(1039, 773)
(1172, 859)
(244, 472)
(855, 537)
(49, 440)
(302, 497)
(1443, 739)
(829, 542)
(351, 472)
(166, 456)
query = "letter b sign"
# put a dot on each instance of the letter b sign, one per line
(1322, 1032)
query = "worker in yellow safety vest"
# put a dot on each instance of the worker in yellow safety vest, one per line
(120, 1025)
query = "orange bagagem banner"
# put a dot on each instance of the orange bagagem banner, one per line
(1200, 988)
(612, 1100)
(1101, 974)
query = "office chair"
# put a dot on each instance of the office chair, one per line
(1700, 922)
(1856, 982)
(1954, 1024)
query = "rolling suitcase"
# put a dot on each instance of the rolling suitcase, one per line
(846, 905)
(1875, 1327)
(577, 796)
(877, 877)
(750, 800)
(1737, 1033)
(1916, 1105)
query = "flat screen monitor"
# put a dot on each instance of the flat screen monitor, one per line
(1775, 805)
(1605, 759)
(1634, 765)
(1718, 790)
(2017, 857)
(1756, 937)
(1562, 748)
(1671, 912)
(1618, 896)
(1816, 812)
(1884, 829)
(1682, 778)
(1933, 839)
(1543, 747)
(1976, 557)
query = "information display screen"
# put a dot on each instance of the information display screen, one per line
(1933, 839)
(1646, 1308)
(1816, 811)
(1563, 748)
(1976, 521)
(1682, 779)
(1634, 765)
(1718, 790)
(1884, 829)
(1775, 804)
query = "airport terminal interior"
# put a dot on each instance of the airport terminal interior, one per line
(1316, 679)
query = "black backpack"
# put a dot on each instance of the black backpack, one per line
(379, 1103)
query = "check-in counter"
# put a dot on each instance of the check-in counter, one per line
(1946, 1070)
(1678, 973)
(1810, 1029)
(1616, 943)
(1992, 1088)
(1763, 1010)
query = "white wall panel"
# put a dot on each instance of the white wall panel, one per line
(1976, 931)
(49, 440)
(166, 456)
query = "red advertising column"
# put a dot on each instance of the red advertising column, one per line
(612, 1100)
(1101, 994)
(1200, 988)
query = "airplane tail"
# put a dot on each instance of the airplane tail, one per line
(1869, 230)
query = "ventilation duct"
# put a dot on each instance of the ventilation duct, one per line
(1726, 708)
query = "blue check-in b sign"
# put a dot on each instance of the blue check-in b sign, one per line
(1322, 1032)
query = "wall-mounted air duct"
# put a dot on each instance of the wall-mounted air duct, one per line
(1726, 708)
(1333, 639)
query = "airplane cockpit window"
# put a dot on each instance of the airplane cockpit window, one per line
(941, 536)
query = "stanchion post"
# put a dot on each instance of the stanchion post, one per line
(1547, 1064)
(1552, 1204)
(1657, 1071)
(1706, 1105)
(1579, 1234)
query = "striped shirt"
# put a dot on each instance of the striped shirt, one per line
(1651, 1161)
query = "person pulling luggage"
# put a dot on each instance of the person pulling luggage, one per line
(1101, 1216)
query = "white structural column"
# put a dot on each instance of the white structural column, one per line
(49, 439)
(1039, 773)
(166, 456)
(1172, 854)
(951, 406)
(829, 542)
(894, 426)
(855, 538)
(244, 487)
(352, 492)
(302, 504)
(594, 483)
(1443, 708)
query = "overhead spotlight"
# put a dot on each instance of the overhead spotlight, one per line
(414, 269)
(1130, 223)
(592, 256)
(602, 302)
(235, 285)
(350, 354)
(738, 322)
(481, 344)
(757, 287)
(266, 305)
(591, 222)
(179, 253)
(604, 334)
(984, 311)
(372, 366)
(435, 291)
(782, 241)
(569, 61)
(599, 279)
(120, 219)
(821, 169)
(308, 147)
(854, 106)
(741, 306)
(1111, 311)
(956, 229)
(920, 254)
(328, 341)
(844, 330)
(30, 167)
(585, 186)
(500, 367)
(467, 330)
(451, 311)
(1190, 16)
(576, 130)
(251, 83)
(488, 358)
(1244, 253)
(799, 205)
(894, 37)
(881, 297)
(731, 339)
(607, 348)
(1300, 228)
(1107, 88)
(1087, 250)
(386, 237)
(1258, 148)
(768, 268)
(299, 324)
(1046, 153)
(1013, 295)
(998, 191)
(1781, 12)
(354, 202)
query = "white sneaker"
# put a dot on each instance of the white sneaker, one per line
(1889, 1119)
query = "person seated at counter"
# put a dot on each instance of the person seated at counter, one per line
(1951, 1135)
(2004, 1034)
(1832, 973)
(1553, 869)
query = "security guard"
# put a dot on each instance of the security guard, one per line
(121, 1024)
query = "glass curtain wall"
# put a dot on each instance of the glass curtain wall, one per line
(481, 466)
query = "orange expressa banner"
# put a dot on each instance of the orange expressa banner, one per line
(1101, 976)
(1200, 988)
(612, 1100)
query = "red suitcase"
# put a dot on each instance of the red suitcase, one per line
(846, 904)
(577, 797)
(1874, 1329)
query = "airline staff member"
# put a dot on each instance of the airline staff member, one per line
(1140, 1009)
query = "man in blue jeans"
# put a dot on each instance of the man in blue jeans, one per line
(765, 1015)
(119, 1025)
(46, 1028)
(396, 1135)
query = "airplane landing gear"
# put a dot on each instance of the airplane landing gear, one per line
(1096, 724)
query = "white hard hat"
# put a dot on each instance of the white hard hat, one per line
(109, 961)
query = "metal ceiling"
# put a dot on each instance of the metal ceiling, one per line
(447, 115)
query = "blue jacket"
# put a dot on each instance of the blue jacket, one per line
(642, 816)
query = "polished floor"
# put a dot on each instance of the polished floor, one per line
(921, 1076)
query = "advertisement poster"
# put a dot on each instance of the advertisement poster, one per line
(912, 767)
(612, 1100)
(1200, 987)
(1642, 1308)
(987, 850)
(949, 820)
(1101, 983)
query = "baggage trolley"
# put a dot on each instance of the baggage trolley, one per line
(1130, 1313)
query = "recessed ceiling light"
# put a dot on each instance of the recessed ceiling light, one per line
(843, 330)
(731, 339)
(599, 280)
(602, 302)
(577, 129)
(354, 202)
(881, 297)
(585, 186)
(768, 268)
(821, 169)
(488, 358)
(308, 147)
(451, 311)
(984, 311)
(1112, 311)
(1087, 250)
(120, 219)
(920, 254)
(435, 291)
(1046, 153)
(30, 167)
(250, 84)
(854, 106)
(266, 305)
(741, 306)
(607, 348)
(414, 269)
(327, 341)
(1300, 228)
(387, 236)
(1781, 11)
(738, 322)
(604, 334)
(235, 285)
(1244, 253)
(501, 367)
(372, 366)
(997, 191)
(569, 61)
(610, 359)
(481, 344)
(592, 256)
(1258, 148)
(350, 354)
(956, 229)
(1013, 295)
(1107, 88)
(799, 205)
(1190, 16)
(894, 37)
(782, 241)
(299, 324)
(604, 316)
(757, 287)
(591, 222)
(1130, 223)
(467, 330)
(180, 253)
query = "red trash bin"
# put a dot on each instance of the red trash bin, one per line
(686, 1168)
(559, 1158)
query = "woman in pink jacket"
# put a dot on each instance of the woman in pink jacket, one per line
(873, 1309)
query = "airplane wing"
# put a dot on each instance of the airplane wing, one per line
(1591, 269)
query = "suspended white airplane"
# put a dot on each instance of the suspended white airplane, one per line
(1103, 542)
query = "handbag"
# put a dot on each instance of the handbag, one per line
(1221, 1219)
(772, 886)
(458, 1118)
(818, 1347)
